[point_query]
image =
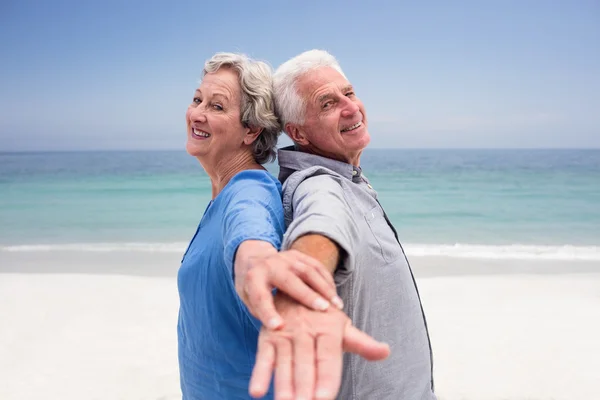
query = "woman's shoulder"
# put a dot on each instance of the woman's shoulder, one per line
(255, 180)
(250, 188)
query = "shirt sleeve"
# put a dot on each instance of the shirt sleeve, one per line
(320, 207)
(254, 212)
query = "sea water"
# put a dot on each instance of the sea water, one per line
(523, 204)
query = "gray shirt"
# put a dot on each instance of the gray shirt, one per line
(380, 295)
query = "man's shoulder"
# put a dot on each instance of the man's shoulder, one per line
(311, 180)
(313, 176)
(316, 182)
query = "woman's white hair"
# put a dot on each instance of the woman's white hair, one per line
(257, 107)
(289, 104)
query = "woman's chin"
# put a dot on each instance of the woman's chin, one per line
(194, 150)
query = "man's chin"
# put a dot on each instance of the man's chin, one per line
(361, 142)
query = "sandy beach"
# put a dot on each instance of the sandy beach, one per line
(80, 325)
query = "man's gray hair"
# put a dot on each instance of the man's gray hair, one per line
(257, 107)
(289, 104)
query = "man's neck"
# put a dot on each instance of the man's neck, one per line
(348, 158)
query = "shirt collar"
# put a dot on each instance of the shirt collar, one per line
(296, 160)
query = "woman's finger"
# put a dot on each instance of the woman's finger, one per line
(289, 283)
(315, 279)
(313, 262)
(257, 290)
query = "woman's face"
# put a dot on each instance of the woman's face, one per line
(214, 129)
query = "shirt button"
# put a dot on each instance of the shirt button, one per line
(370, 187)
(354, 172)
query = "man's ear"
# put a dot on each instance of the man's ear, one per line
(251, 134)
(296, 134)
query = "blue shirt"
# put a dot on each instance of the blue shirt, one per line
(217, 336)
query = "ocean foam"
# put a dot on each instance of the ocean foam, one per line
(100, 247)
(505, 252)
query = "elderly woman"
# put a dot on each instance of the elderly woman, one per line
(232, 264)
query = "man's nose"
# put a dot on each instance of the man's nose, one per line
(349, 108)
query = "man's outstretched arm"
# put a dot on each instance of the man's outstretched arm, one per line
(306, 354)
(320, 248)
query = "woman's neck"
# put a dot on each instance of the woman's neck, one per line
(223, 170)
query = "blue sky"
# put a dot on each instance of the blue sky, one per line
(119, 75)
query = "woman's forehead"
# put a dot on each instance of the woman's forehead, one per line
(224, 82)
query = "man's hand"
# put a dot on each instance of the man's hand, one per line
(259, 269)
(306, 354)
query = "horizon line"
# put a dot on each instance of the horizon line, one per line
(125, 150)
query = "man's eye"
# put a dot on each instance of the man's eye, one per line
(349, 94)
(327, 105)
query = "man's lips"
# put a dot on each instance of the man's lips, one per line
(352, 127)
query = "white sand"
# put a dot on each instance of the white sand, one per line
(515, 337)
(90, 336)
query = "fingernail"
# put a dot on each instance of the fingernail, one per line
(337, 301)
(255, 388)
(320, 304)
(322, 394)
(274, 323)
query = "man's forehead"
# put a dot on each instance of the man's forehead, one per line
(321, 79)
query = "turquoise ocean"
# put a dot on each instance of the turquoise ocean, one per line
(506, 204)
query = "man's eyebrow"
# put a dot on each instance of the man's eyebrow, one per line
(348, 88)
(324, 97)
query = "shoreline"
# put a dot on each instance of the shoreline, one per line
(165, 264)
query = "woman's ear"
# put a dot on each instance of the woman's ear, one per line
(296, 134)
(251, 134)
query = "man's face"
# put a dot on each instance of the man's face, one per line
(335, 123)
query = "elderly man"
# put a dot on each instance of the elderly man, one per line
(333, 215)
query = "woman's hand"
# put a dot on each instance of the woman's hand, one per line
(259, 268)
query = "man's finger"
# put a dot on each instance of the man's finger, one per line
(260, 299)
(284, 389)
(263, 369)
(329, 367)
(358, 342)
(304, 366)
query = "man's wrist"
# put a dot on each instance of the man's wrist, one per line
(320, 248)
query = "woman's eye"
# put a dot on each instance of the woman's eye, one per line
(197, 100)
(218, 107)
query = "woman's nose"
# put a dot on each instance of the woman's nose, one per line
(197, 114)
